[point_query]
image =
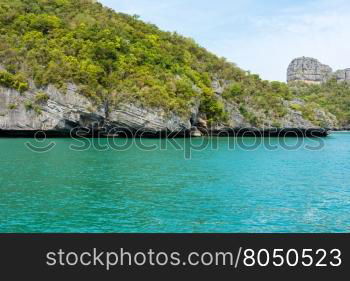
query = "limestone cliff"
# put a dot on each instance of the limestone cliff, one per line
(312, 71)
(61, 112)
(343, 75)
(308, 70)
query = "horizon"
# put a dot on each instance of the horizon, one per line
(261, 37)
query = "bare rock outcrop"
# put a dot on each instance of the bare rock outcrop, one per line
(18, 111)
(153, 121)
(62, 112)
(310, 70)
(343, 75)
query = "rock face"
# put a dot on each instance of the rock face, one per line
(22, 115)
(343, 75)
(310, 70)
(63, 112)
(145, 120)
(60, 112)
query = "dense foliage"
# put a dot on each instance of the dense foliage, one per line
(111, 56)
(13, 81)
(114, 57)
(333, 96)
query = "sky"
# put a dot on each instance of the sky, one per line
(261, 36)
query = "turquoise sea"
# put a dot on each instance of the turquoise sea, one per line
(228, 185)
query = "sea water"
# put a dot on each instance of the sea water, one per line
(199, 185)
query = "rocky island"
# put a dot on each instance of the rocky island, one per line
(78, 66)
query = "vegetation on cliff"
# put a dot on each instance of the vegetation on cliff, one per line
(114, 57)
(110, 56)
(333, 96)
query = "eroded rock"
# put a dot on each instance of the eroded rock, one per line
(308, 70)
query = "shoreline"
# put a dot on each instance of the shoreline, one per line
(197, 132)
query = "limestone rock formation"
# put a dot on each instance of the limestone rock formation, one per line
(63, 112)
(153, 121)
(60, 112)
(312, 71)
(343, 75)
(309, 70)
(22, 114)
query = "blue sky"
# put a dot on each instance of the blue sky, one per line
(262, 36)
